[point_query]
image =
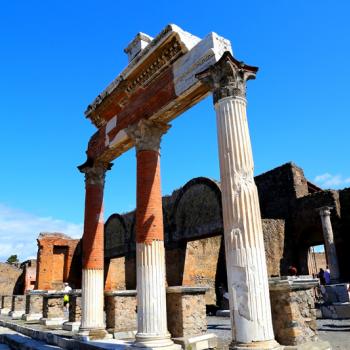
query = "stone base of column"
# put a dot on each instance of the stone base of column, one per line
(317, 345)
(71, 326)
(199, 342)
(52, 321)
(17, 315)
(32, 317)
(5, 311)
(92, 334)
(257, 345)
(154, 342)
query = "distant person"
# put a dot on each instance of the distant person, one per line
(67, 289)
(292, 271)
(321, 277)
(327, 276)
(328, 270)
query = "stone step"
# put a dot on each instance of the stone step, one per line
(17, 341)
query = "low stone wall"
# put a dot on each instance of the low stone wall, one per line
(186, 311)
(75, 306)
(53, 308)
(7, 302)
(293, 310)
(121, 311)
(34, 305)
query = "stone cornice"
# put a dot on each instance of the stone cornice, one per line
(167, 46)
(227, 77)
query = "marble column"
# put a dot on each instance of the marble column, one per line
(325, 213)
(152, 331)
(92, 318)
(244, 245)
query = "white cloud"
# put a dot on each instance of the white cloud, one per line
(19, 231)
(328, 180)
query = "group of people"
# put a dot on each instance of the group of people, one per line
(324, 276)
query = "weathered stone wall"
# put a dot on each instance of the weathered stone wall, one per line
(29, 272)
(34, 304)
(75, 307)
(115, 274)
(186, 313)
(121, 311)
(9, 276)
(59, 260)
(53, 306)
(274, 244)
(293, 316)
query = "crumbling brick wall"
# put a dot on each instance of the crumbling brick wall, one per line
(58, 261)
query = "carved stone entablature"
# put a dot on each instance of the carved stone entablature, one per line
(147, 134)
(227, 77)
(137, 45)
(95, 172)
(169, 54)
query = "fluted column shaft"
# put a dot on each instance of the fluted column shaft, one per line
(92, 320)
(150, 255)
(245, 254)
(332, 259)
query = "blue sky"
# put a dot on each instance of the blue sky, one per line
(56, 56)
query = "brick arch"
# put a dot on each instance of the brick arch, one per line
(114, 244)
(197, 214)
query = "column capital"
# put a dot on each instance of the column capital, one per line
(325, 211)
(147, 134)
(227, 77)
(95, 172)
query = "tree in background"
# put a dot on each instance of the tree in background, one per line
(12, 260)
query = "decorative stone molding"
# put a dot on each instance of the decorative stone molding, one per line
(95, 175)
(325, 211)
(147, 134)
(228, 77)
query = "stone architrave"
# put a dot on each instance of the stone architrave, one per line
(332, 260)
(152, 331)
(244, 245)
(92, 318)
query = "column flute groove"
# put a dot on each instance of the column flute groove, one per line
(244, 246)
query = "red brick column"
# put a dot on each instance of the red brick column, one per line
(92, 320)
(152, 330)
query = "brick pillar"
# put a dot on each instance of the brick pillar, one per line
(92, 321)
(244, 245)
(150, 256)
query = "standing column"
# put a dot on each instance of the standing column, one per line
(245, 254)
(325, 213)
(152, 331)
(92, 320)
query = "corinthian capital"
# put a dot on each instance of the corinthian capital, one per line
(95, 172)
(325, 211)
(227, 77)
(147, 134)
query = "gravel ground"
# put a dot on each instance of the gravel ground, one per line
(336, 332)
